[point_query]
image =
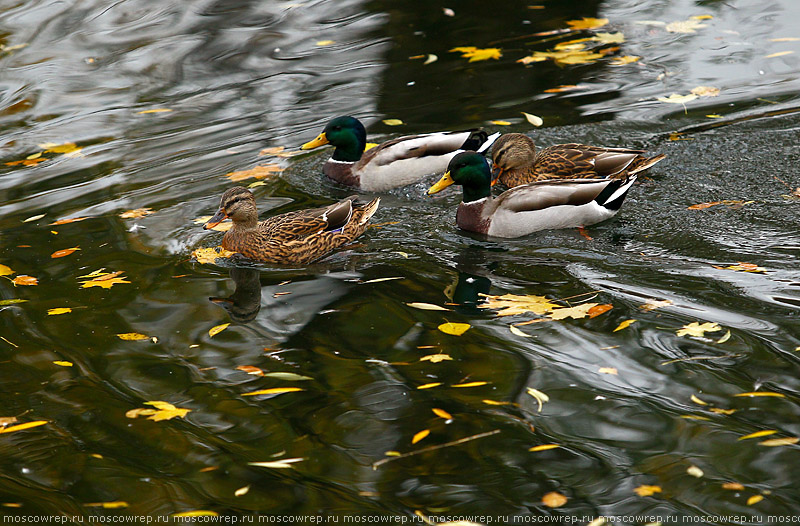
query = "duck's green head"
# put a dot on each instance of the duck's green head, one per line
(347, 134)
(471, 171)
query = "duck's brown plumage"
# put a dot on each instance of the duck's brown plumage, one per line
(515, 157)
(294, 238)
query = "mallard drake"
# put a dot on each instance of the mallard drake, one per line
(543, 205)
(394, 163)
(294, 238)
(516, 162)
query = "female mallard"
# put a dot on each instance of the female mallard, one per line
(564, 203)
(395, 163)
(294, 238)
(516, 162)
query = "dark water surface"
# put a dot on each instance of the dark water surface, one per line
(242, 76)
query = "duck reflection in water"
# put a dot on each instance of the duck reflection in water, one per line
(467, 292)
(245, 302)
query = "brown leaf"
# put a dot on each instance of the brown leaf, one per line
(706, 91)
(554, 499)
(25, 280)
(63, 252)
(251, 369)
(136, 213)
(646, 491)
(597, 310)
(733, 486)
(258, 172)
(70, 220)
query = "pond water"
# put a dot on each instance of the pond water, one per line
(630, 408)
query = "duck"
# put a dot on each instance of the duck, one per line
(293, 238)
(394, 163)
(515, 161)
(542, 205)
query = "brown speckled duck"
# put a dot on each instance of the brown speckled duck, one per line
(293, 238)
(516, 162)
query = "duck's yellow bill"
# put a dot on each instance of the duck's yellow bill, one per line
(218, 218)
(440, 185)
(321, 140)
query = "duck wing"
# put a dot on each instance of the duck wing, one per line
(425, 145)
(302, 223)
(577, 161)
(548, 194)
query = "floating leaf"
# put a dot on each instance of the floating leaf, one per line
(442, 413)
(625, 59)
(5, 271)
(562, 88)
(25, 280)
(501, 123)
(470, 384)
(696, 400)
(608, 370)
(63, 363)
(725, 338)
(744, 267)
(136, 213)
(393, 122)
(695, 471)
(714, 116)
(676, 98)
(587, 23)
(779, 54)
(544, 447)
(325, 42)
(250, 369)
(162, 411)
(733, 486)
(277, 464)
(419, 436)
(63, 252)
(456, 329)
(58, 310)
(213, 331)
(114, 505)
(533, 119)
(685, 26)
(646, 491)
(133, 336)
(378, 280)
(196, 513)
(274, 390)
(435, 358)
(428, 386)
(625, 324)
(511, 304)
(554, 499)
(519, 332)
(69, 220)
(762, 393)
(209, 255)
(755, 499)
(241, 491)
(68, 148)
(705, 91)
(33, 218)
(154, 110)
(475, 54)
(655, 304)
(11, 301)
(540, 397)
(758, 434)
(577, 312)
(720, 411)
(609, 38)
(105, 280)
(431, 58)
(774, 442)
(21, 427)
(257, 172)
(426, 306)
(697, 329)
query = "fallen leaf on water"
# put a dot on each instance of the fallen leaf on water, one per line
(7, 420)
(544, 447)
(685, 26)
(428, 386)
(378, 280)
(774, 442)
(703, 206)
(697, 329)
(501, 123)
(154, 110)
(274, 390)
(554, 499)
(655, 304)
(720, 411)
(33, 218)
(733, 486)
(426, 306)
(213, 331)
(210, 254)
(646, 491)
(540, 397)
(511, 304)
(519, 332)
(625, 59)
(257, 172)
(196, 513)
(282, 375)
(136, 213)
(435, 358)
(758, 434)
(442, 413)
(696, 400)
(755, 499)
(25, 280)
(162, 411)
(5, 271)
(470, 384)
(63, 363)
(587, 23)
(250, 369)
(705, 91)
(533, 119)
(695, 471)
(58, 310)
(325, 42)
(113, 505)
(623, 325)
(241, 491)
(495, 402)
(677, 98)
(714, 116)
(277, 464)
(725, 338)
(562, 88)
(475, 54)
(608, 370)
(784, 39)
(132, 336)
(431, 58)
(69, 220)
(779, 54)
(597, 310)
(419, 436)
(11, 301)
(21, 427)
(762, 393)
(63, 252)
(743, 267)
(393, 122)
(577, 312)
(456, 329)
(67, 148)
(105, 281)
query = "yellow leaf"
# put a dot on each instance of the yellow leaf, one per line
(25, 280)
(325, 42)
(762, 393)
(625, 324)
(281, 375)
(442, 413)
(755, 499)
(625, 59)
(587, 23)
(475, 54)
(241, 491)
(5, 271)
(540, 397)
(63, 252)
(655, 304)
(774, 442)
(105, 280)
(697, 329)
(114, 505)
(501, 123)
(370, 145)
(562, 88)
(646, 491)
(133, 336)
(695, 471)
(720, 411)
(66, 148)
(784, 39)
(533, 119)
(579, 57)
(685, 26)
(162, 411)
(745, 267)
(544, 447)
(257, 172)
(154, 110)
(494, 402)
(196, 513)
(779, 54)
(7, 421)
(26, 425)
(456, 329)
(210, 254)
(733, 486)
(14, 301)
(393, 454)
(725, 338)
(59, 310)
(701, 17)
(577, 312)
(435, 358)
(470, 384)
(63, 363)
(511, 304)
(518, 332)
(274, 390)
(393, 122)
(431, 58)
(428, 386)
(426, 306)
(70, 220)
(607, 370)
(277, 464)
(419, 436)
(136, 213)
(379, 280)
(213, 331)
(696, 400)
(554, 499)
(714, 116)
(705, 91)
(609, 38)
(676, 98)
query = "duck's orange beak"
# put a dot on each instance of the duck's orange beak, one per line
(321, 140)
(440, 185)
(218, 218)
(496, 173)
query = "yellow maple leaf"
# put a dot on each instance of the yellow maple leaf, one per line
(512, 304)
(625, 59)
(609, 38)
(5, 271)
(475, 54)
(258, 172)
(577, 312)
(210, 254)
(25, 280)
(435, 358)
(623, 325)
(105, 281)
(587, 23)
(646, 491)
(698, 329)
(456, 329)
(162, 411)
(66, 148)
